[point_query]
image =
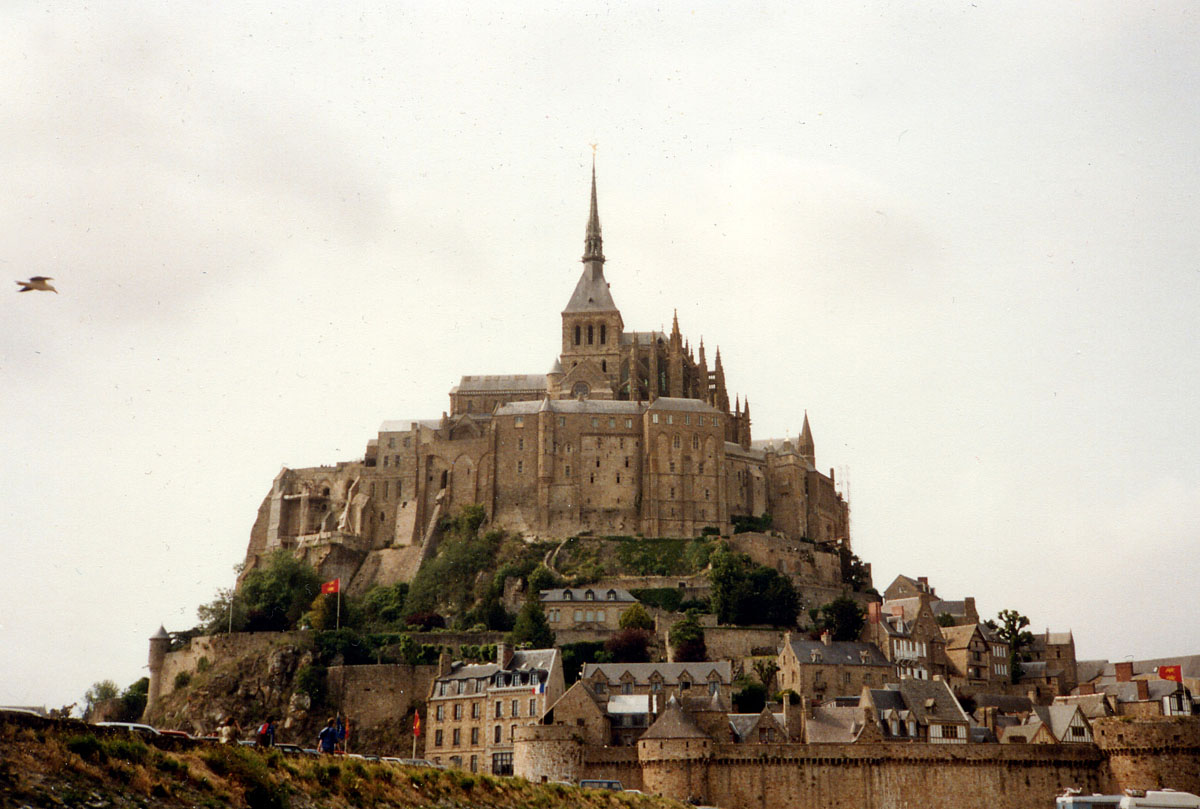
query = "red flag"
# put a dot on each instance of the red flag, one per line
(331, 587)
(417, 723)
(1173, 673)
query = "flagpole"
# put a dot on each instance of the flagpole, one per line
(339, 605)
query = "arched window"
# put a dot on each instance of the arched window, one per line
(675, 442)
(576, 335)
(590, 327)
(603, 333)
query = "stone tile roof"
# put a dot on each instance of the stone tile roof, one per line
(958, 637)
(670, 672)
(930, 701)
(500, 382)
(1088, 670)
(735, 450)
(841, 653)
(1057, 717)
(523, 660)
(956, 608)
(743, 724)
(644, 337)
(600, 595)
(1189, 664)
(1005, 703)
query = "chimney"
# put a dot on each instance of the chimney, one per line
(1124, 671)
(1143, 687)
(504, 655)
(897, 610)
(444, 666)
(969, 608)
(1087, 688)
(874, 612)
(827, 638)
(923, 582)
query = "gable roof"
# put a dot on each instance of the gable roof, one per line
(1057, 717)
(930, 701)
(838, 652)
(599, 595)
(692, 405)
(670, 672)
(490, 383)
(959, 637)
(832, 724)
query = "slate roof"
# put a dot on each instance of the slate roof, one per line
(736, 450)
(1092, 705)
(1088, 670)
(838, 652)
(670, 672)
(1127, 691)
(591, 292)
(910, 604)
(604, 406)
(524, 660)
(673, 723)
(692, 405)
(958, 637)
(929, 700)
(743, 724)
(833, 724)
(1057, 717)
(599, 595)
(1190, 665)
(500, 382)
(644, 337)
(958, 609)
(1004, 703)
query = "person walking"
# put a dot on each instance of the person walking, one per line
(229, 731)
(327, 739)
(266, 734)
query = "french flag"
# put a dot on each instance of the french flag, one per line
(540, 688)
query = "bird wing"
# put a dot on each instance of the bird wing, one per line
(38, 278)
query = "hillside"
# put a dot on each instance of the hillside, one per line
(52, 763)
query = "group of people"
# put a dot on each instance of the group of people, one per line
(329, 740)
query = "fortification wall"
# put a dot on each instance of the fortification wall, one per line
(219, 647)
(620, 763)
(376, 695)
(804, 562)
(874, 776)
(547, 753)
(736, 643)
(1145, 753)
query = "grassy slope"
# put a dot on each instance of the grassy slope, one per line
(53, 764)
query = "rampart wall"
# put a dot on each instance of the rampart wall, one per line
(376, 695)
(1151, 753)
(217, 648)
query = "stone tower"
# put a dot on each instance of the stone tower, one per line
(591, 323)
(160, 643)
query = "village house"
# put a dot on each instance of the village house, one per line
(660, 680)
(1050, 724)
(969, 655)
(906, 632)
(820, 669)
(918, 711)
(585, 607)
(474, 708)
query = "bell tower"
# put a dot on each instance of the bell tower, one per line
(591, 323)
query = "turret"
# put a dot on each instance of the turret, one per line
(160, 644)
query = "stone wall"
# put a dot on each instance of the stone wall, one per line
(219, 647)
(887, 776)
(736, 642)
(378, 695)
(1151, 753)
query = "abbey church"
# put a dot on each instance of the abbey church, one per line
(628, 433)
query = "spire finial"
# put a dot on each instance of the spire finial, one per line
(593, 244)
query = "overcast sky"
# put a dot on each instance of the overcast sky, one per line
(963, 236)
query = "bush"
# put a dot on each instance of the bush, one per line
(575, 655)
(687, 640)
(629, 646)
(310, 680)
(745, 593)
(87, 747)
(349, 644)
(751, 698)
(532, 628)
(132, 750)
(665, 598)
(636, 617)
(182, 679)
(278, 593)
(843, 617)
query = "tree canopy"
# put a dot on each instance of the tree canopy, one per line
(843, 617)
(745, 593)
(687, 640)
(1009, 627)
(532, 628)
(275, 595)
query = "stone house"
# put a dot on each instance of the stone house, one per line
(765, 727)
(1057, 651)
(969, 656)
(918, 711)
(1051, 724)
(956, 612)
(474, 708)
(585, 607)
(820, 669)
(905, 630)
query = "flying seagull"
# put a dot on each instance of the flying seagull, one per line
(39, 282)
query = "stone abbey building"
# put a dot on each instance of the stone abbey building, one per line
(630, 432)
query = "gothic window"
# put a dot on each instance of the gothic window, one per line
(520, 445)
(695, 442)
(603, 363)
(589, 334)
(576, 335)
(675, 442)
(580, 389)
(603, 333)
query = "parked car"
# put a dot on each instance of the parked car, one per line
(600, 783)
(175, 734)
(131, 727)
(412, 762)
(290, 749)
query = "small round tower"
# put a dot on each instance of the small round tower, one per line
(160, 643)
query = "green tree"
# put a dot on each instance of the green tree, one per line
(278, 593)
(531, 627)
(855, 572)
(134, 699)
(687, 640)
(1009, 627)
(945, 619)
(745, 593)
(383, 605)
(99, 692)
(542, 578)
(751, 697)
(766, 669)
(636, 617)
(843, 617)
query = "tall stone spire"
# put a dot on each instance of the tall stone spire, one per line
(593, 244)
(807, 450)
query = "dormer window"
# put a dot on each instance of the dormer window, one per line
(567, 595)
(612, 595)
(588, 595)
(816, 655)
